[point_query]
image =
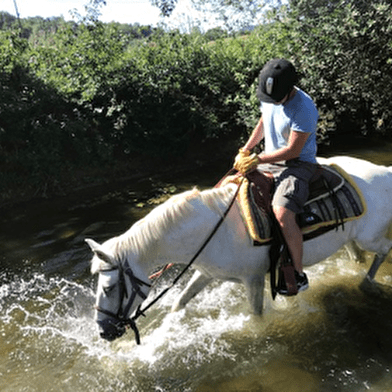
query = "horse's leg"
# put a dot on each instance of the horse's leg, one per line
(378, 260)
(382, 248)
(355, 252)
(195, 285)
(368, 283)
(255, 292)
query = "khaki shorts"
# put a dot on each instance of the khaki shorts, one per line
(291, 183)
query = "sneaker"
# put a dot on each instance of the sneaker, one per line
(302, 283)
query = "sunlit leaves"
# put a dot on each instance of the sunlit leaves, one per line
(166, 6)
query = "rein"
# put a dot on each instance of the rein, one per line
(119, 321)
(141, 311)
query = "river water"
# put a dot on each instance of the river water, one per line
(333, 337)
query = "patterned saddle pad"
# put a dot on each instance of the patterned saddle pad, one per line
(334, 199)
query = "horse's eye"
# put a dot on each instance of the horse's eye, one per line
(108, 280)
(108, 289)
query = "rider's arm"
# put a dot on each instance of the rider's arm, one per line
(293, 149)
(256, 136)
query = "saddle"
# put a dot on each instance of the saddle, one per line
(334, 199)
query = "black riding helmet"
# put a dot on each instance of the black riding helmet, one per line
(276, 80)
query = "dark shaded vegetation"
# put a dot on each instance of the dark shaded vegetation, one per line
(84, 103)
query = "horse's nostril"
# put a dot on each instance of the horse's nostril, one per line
(108, 337)
(110, 329)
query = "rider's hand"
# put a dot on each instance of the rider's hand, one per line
(245, 162)
(242, 153)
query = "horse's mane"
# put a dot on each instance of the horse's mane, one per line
(140, 238)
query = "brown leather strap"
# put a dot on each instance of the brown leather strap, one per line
(261, 185)
(289, 277)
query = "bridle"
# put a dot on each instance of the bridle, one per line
(119, 320)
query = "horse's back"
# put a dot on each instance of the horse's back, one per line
(375, 182)
(360, 168)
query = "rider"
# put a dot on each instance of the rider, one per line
(288, 125)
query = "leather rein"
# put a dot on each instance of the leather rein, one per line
(121, 321)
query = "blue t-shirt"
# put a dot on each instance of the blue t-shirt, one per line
(298, 114)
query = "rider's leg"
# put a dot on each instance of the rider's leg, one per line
(291, 193)
(291, 233)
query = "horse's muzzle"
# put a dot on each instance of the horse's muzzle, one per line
(111, 329)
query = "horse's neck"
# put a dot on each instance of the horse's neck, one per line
(182, 242)
(182, 238)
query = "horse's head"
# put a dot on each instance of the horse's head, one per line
(118, 293)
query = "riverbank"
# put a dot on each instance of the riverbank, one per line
(71, 187)
(93, 185)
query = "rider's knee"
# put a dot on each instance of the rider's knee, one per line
(284, 216)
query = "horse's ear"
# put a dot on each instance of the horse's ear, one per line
(99, 252)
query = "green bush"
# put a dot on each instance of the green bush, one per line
(344, 49)
(75, 97)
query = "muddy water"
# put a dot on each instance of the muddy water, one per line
(333, 337)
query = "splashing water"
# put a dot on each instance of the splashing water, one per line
(47, 328)
(49, 339)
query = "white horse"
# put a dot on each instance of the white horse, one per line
(175, 230)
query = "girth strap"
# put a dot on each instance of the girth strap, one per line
(287, 273)
(280, 256)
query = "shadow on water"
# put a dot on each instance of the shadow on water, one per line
(336, 338)
(48, 235)
(365, 317)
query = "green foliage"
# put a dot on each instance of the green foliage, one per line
(236, 15)
(81, 96)
(83, 55)
(345, 51)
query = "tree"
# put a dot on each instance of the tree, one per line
(235, 14)
(344, 48)
(93, 11)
